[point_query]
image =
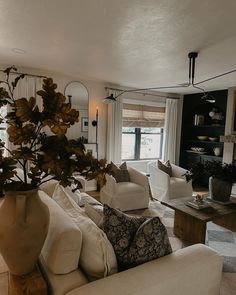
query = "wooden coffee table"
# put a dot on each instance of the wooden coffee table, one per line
(190, 224)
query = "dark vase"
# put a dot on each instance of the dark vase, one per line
(219, 190)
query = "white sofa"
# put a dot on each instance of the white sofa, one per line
(193, 270)
(165, 187)
(126, 196)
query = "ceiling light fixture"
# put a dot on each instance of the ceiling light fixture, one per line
(191, 77)
(18, 50)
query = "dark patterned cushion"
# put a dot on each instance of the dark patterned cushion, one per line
(165, 167)
(121, 174)
(135, 239)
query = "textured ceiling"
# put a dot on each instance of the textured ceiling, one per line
(133, 43)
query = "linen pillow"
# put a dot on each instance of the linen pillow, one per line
(97, 258)
(49, 186)
(121, 174)
(95, 212)
(135, 239)
(76, 196)
(165, 167)
(62, 247)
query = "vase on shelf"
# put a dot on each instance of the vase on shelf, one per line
(217, 151)
(24, 220)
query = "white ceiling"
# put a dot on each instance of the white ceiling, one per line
(136, 43)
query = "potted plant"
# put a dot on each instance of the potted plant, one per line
(40, 152)
(221, 177)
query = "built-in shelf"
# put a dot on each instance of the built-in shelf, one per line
(205, 126)
(204, 141)
(203, 155)
(194, 105)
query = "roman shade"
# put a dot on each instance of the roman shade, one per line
(143, 116)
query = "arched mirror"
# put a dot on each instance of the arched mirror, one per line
(78, 96)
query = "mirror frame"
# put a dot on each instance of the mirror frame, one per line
(66, 86)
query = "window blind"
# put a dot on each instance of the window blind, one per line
(143, 116)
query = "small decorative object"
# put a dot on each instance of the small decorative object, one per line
(198, 203)
(213, 138)
(198, 120)
(216, 116)
(202, 137)
(217, 151)
(40, 158)
(222, 176)
(84, 124)
(199, 199)
(197, 149)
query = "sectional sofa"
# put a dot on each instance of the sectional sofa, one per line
(72, 266)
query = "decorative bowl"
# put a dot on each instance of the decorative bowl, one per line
(213, 138)
(197, 149)
(202, 137)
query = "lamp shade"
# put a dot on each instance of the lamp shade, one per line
(109, 99)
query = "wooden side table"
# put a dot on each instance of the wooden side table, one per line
(30, 284)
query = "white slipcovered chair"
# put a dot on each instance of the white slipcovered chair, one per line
(165, 187)
(126, 196)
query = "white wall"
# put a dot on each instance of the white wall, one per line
(96, 94)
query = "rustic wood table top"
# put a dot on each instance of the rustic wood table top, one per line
(211, 213)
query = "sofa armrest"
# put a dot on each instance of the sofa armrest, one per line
(159, 177)
(138, 177)
(178, 171)
(193, 270)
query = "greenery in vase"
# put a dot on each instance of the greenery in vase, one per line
(223, 171)
(40, 146)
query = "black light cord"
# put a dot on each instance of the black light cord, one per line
(191, 76)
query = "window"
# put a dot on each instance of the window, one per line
(142, 132)
(141, 143)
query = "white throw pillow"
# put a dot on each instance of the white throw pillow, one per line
(74, 195)
(95, 212)
(62, 247)
(49, 186)
(97, 258)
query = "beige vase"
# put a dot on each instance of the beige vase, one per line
(24, 220)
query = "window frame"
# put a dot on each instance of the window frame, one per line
(137, 145)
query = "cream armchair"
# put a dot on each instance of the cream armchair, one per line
(126, 195)
(165, 187)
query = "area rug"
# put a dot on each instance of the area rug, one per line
(217, 237)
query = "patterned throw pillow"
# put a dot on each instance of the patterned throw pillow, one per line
(165, 167)
(135, 239)
(121, 174)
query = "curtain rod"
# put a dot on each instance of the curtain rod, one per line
(143, 93)
(30, 75)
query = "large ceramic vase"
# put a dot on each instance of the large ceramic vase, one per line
(219, 190)
(24, 220)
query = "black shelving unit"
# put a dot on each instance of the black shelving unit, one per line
(193, 104)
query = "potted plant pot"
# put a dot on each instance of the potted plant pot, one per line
(24, 220)
(219, 190)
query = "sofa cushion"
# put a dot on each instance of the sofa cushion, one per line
(76, 196)
(121, 173)
(124, 188)
(97, 257)
(62, 247)
(135, 239)
(165, 167)
(95, 212)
